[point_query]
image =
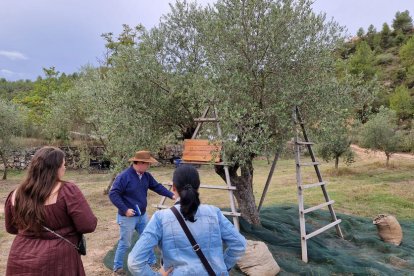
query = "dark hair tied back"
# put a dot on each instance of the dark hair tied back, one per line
(187, 181)
(187, 187)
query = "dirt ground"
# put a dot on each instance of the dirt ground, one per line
(364, 154)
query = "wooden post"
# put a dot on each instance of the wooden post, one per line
(269, 178)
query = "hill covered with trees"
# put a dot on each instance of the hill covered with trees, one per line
(386, 56)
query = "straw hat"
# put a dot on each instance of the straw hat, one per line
(143, 156)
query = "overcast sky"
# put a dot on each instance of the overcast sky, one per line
(67, 34)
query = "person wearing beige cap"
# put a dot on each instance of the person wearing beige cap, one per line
(129, 195)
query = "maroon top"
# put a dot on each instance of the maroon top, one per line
(48, 254)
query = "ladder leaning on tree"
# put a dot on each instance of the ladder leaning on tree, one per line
(297, 119)
(206, 152)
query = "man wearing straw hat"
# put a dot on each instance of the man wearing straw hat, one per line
(129, 195)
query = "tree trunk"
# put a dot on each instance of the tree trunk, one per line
(187, 132)
(336, 162)
(244, 193)
(388, 159)
(106, 191)
(3, 158)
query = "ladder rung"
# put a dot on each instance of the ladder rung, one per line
(210, 186)
(233, 214)
(307, 186)
(218, 187)
(308, 164)
(320, 230)
(318, 206)
(206, 120)
(159, 206)
(305, 143)
(207, 163)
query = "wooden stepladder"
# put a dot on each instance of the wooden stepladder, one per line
(208, 152)
(301, 187)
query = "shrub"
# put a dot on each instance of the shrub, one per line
(386, 58)
(401, 102)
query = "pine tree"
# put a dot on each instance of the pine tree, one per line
(360, 32)
(386, 39)
(403, 22)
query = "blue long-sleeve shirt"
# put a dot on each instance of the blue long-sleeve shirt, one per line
(210, 230)
(129, 191)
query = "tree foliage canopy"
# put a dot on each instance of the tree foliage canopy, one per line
(254, 60)
(401, 102)
(402, 22)
(380, 133)
(362, 62)
(11, 125)
(407, 53)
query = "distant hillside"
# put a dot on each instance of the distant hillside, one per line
(386, 56)
(9, 89)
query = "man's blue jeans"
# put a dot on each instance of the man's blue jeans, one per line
(127, 226)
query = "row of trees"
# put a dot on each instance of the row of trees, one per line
(402, 26)
(25, 108)
(254, 60)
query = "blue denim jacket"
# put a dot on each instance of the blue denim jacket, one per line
(211, 230)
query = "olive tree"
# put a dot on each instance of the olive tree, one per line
(255, 60)
(101, 108)
(265, 58)
(334, 137)
(11, 124)
(380, 133)
(335, 143)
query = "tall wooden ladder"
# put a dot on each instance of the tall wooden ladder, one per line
(298, 143)
(205, 152)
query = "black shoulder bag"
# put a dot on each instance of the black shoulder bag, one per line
(81, 247)
(193, 242)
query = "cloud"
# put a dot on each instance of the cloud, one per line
(10, 75)
(6, 72)
(13, 55)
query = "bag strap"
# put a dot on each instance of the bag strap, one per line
(193, 242)
(60, 236)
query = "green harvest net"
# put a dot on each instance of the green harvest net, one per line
(360, 253)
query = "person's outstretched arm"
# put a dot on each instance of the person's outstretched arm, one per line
(236, 243)
(138, 258)
(158, 188)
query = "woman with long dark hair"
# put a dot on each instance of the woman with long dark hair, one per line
(207, 225)
(48, 216)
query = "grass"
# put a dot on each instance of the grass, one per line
(366, 188)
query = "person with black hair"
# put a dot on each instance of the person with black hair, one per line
(207, 225)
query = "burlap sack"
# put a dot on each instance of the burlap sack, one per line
(258, 260)
(389, 229)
